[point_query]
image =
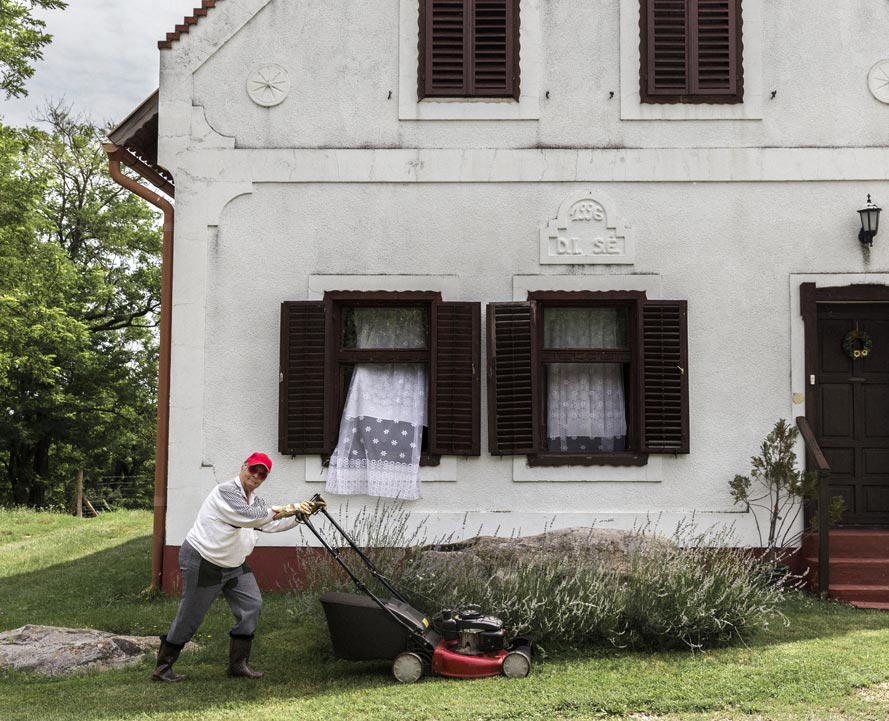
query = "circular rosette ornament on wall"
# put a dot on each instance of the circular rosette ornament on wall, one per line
(857, 344)
(268, 85)
(878, 80)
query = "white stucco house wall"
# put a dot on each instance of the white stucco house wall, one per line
(307, 166)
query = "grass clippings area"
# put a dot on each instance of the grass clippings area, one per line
(830, 663)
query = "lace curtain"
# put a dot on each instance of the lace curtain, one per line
(586, 408)
(378, 450)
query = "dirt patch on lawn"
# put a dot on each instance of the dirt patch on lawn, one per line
(875, 694)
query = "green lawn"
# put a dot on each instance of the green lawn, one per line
(831, 662)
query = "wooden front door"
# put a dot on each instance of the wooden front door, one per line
(852, 407)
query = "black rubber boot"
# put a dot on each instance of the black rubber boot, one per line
(166, 657)
(238, 656)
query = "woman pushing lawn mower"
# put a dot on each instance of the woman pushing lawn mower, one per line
(460, 644)
(212, 560)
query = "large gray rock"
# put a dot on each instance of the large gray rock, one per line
(482, 555)
(596, 542)
(57, 651)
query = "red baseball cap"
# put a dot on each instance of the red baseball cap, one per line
(260, 459)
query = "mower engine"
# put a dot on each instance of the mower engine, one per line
(473, 645)
(474, 633)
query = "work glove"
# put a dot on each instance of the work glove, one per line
(301, 510)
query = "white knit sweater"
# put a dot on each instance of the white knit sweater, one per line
(225, 531)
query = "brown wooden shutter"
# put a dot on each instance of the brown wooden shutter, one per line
(691, 51)
(468, 48)
(495, 48)
(454, 424)
(716, 59)
(665, 377)
(665, 27)
(512, 378)
(444, 42)
(302, 380)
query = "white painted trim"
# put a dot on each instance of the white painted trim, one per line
(650, 284)
(449, 286)
(487, 165)
(631, 105)
(651, 472)
(204, 39)
(530, 62)
(203, 135)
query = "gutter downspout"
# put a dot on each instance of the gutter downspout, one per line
(161, 453)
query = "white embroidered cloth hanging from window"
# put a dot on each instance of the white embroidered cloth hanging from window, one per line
(378, 450)
(586, 406)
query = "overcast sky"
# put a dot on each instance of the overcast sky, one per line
(103, 58)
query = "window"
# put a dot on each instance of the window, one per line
(691, 51)
(468, 49)
(411, 338)
(587, 377)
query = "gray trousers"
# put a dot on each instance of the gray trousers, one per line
(202, 582)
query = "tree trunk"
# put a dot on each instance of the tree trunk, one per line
(28, 469)
(37, 493)
(78, 499)
(20, 472)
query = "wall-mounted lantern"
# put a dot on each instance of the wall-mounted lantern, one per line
(870, 220)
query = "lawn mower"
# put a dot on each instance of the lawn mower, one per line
(457, 643)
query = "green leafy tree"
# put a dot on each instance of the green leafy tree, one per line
(79, 296)
(22, 39)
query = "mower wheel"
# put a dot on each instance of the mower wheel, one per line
(517, 664)
(407, 667)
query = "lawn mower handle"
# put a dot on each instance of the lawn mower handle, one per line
(321, 505)
(357, 581)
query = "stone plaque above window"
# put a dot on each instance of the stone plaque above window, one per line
(586, 231)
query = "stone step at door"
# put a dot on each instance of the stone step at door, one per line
(859, 565)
